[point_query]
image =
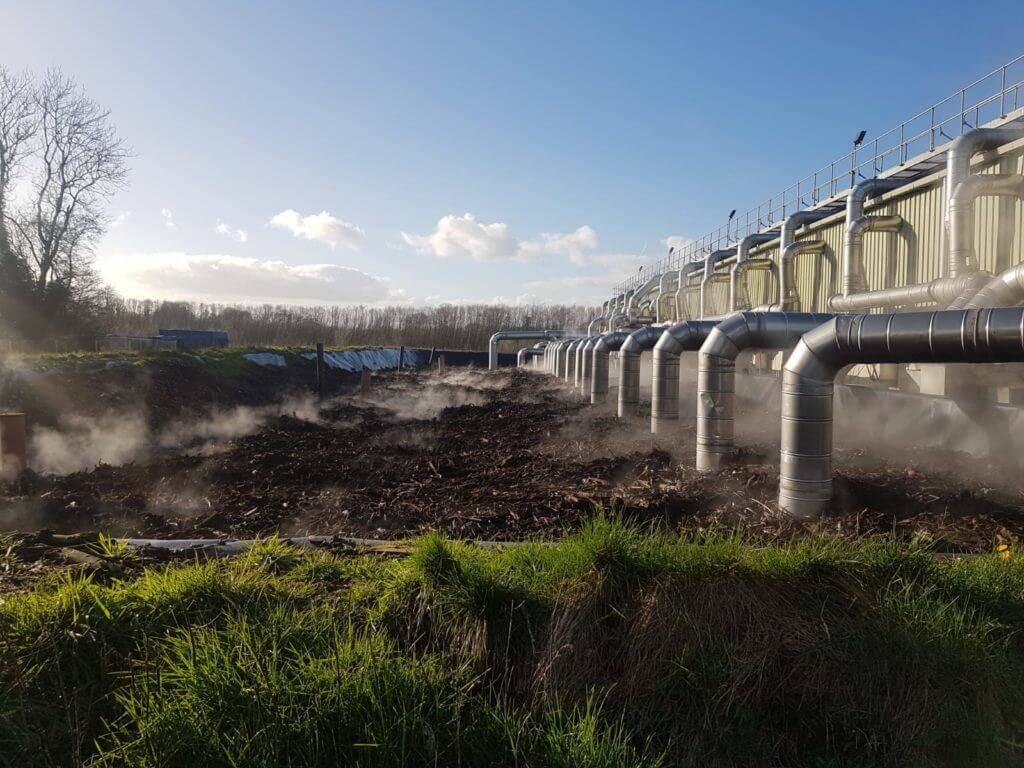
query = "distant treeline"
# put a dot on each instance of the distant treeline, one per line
(464, 326)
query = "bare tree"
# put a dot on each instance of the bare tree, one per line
(18, 124)
(82, 162)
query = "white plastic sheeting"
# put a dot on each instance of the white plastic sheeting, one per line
(374, 359)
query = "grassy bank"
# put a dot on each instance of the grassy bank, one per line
(611, 649)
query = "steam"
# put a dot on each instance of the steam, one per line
(80, 443)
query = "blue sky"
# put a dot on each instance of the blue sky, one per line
(348, 141)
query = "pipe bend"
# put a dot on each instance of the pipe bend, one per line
(1006, 289)
(610, 342)
(858, 227)
(639, 340)
(681, 337)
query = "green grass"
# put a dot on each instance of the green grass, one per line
(609, 649)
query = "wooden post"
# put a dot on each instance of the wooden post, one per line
(13, 457)
(440, 364)
(401, 356)
(320, 370)
(364, 383)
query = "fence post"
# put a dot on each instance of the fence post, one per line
(320, 370)
(13, 457)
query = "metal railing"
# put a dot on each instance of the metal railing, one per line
(990, 97)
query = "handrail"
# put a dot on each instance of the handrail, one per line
(888, 150)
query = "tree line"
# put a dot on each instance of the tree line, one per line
(462, 326)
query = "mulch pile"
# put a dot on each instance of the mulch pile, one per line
(499, 456)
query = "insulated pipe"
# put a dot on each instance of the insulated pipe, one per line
(960, 213)
(617, 320)
(603, 318)
(743, 262)
(716, 372)
(686, 336)
(808, 382)
(963, 277)
(857, 225)
(629, 367)
(659, 307)
(709, 267)
(525, 354)
(570, 360)
(586, 363)
(685, 271)
(1004, 290)
(601, 353)
(788, 296)
(578, 374)
(492, 356)
(958, 165)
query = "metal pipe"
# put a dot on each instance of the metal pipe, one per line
(857, 225)
(808, 383)
(570, 360)
(527, 354)
(743, 262)
(603, 318)
(685, 271)
(964, 276)
(659, 307)
(629, 367)
(586, 363)
(716, 372)
(601, 353)
(1004, 290)
(674, 340)
(492, 352)
(709, 267)
(789, 249)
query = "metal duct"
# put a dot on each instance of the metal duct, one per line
(629, 367)
(586, 363)
(686, 336)
(709, 267)
(570, 360)
(681, 287)
(961, 272)
(492, 351)
(663, 285)
(958, 162)
(716, 372)
(808, 382)
(603, 318)
(857, 225)
(617, 320)
(743, 261)
(789, 249)
(526, 354)
(1004, 290)
(601, 352)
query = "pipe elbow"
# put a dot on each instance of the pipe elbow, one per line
(638, 341)
(817, 357)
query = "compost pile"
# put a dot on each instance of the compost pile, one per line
(499, 456)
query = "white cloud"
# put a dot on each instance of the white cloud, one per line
(120, 219)
(465, 237)
(219, 277)
(238, 235)
(322, 227)
(168, 218)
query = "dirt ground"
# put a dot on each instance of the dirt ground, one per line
(502, 456)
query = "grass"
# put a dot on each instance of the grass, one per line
(609, 649)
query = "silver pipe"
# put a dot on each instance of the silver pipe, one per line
(958, 165)
(709, 267)
(570, 360)
(857, 225)
(526, 354)
(685, 271)
(789, 298)
(629, 367)
(1004, 290)
(601, 353)
(686, 336)
(963, 274)
(716, 372)
(603, 318)
(808, 382)
(586, 363)
(492, 351)
(742, 262)
(659, 307)
(960, 214)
